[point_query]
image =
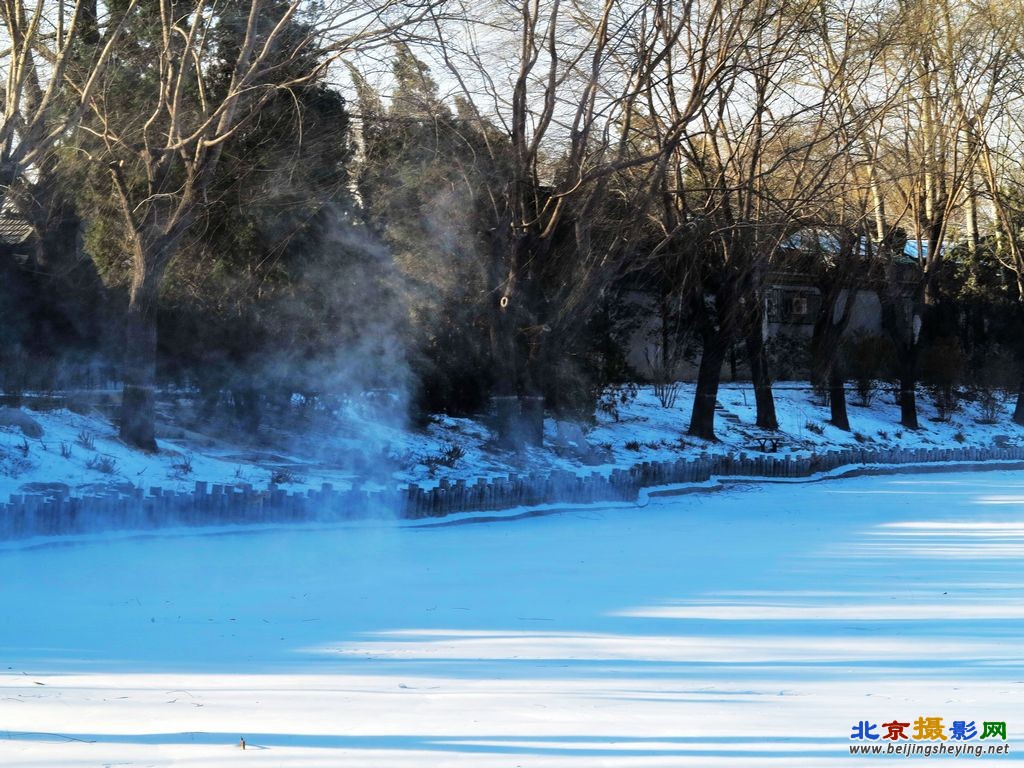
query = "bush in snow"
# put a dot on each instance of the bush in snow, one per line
(12, 466)
(789, 357)
(278, 477)
(990, 378)
(664, 373)
(614, 397)
(105, 464)
(449, 457)
(989, 405)
(667, 393)
(867, 356)
(942, 368)
(183, 466)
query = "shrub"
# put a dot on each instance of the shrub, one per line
(788, 356)
(960, 437)
(664, 372)
(667, 393)
(449, 457)
(86, 440)
(942, 366)
(183, 466)
(452, 454)
(812, 426)
(277, 477)
(989, 405)
(614, 397)
(105, 464)
(866, 357)
(819, 394)
(997, 369)
(65, 449)
(632, 445)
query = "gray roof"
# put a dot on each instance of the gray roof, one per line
(14, 230)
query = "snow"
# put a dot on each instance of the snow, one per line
(357, 446)
(742, 629)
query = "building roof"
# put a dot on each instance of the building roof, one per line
(823, 241)
(14, 230)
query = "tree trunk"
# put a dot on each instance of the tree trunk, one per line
(757, 357)
(837, 399)
(531, 419)
(503, 349)
(504, 401)
(138, 399)
(702, 418)
(248, 415)
(908, 396)
(517, 402)
(1018, 411)
(531, 393)
(819, 360)
(824, 345)
(903, 329)
(826, 373)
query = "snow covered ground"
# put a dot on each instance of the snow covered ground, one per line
(742, 629)
(82, 450)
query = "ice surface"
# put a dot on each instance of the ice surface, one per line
(743, 629)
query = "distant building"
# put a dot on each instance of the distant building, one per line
(792, 302)
(16, 238)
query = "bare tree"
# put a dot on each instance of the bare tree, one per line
(852, 40)
(581, 143)
(747, 175)
(164, 150)
(42, 43)
(985, 42)
(949, 62)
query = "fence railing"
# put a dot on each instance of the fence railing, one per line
(58, 513)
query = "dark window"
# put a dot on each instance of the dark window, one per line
(792, 305)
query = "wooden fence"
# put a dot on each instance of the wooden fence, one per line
(55, 513)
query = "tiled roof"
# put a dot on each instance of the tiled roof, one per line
(14, 230)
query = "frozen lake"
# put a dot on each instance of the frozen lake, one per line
(746, 628)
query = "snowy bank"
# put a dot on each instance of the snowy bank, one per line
(454, 464)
